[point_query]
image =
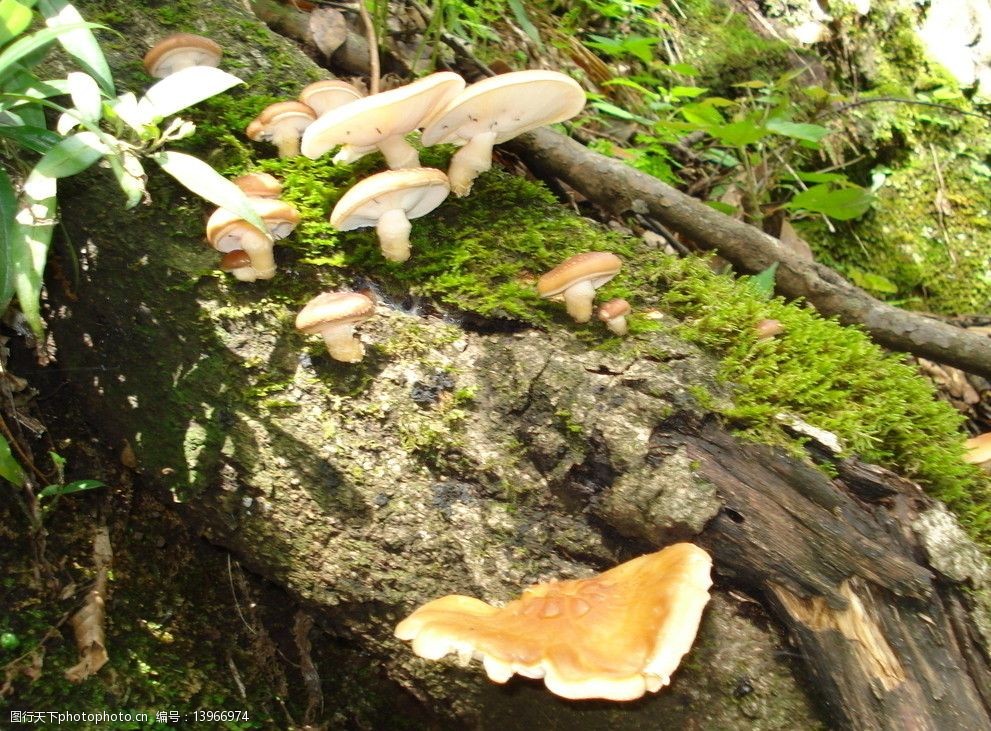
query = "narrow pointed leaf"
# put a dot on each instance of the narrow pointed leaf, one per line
(208, 183)
(183, 89)
(77, 486)
(15, 17)
(85, 96)
(10, 470)
(37, 139)
(8, 208)
(130, 177)
(80, 43)
(39, 39)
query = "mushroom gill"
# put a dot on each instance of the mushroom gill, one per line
(613, 636)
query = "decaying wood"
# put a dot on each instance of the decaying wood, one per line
(621, 189)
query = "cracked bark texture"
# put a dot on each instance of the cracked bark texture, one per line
(456, 462)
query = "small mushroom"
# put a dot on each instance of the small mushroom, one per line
(238, 263)
(577, 278)
(227, 232)
(179, 51)
(334, 315)
(614, 636)
(614, 313)
(381, 121)
(388, 201)
(259, 185)
(768, 328)
(282, 124)
(323, 96)
(495, 110)
(978, 449)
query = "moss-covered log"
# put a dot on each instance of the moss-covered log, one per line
(482, 447)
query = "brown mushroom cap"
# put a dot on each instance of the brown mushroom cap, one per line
(613, 309)
(978, 449)
(369, 121)
(259, 185)
(614, 636)
(323, 96)
(333, 308)
(236, 259)
(507, 104)
(597, 267)
(285, 115)
(179, 51)
(223, 228)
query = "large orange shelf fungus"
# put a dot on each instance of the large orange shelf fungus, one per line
(613, 636)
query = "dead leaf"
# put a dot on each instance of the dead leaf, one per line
(88, 623)
(794, 243)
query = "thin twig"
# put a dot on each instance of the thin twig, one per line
(373, 48)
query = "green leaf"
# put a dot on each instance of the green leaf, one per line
(71, 156)
(72, 487)
(208, 183)
(36, 139)
(763, 282)
(10, 470)
(687, 92)
(842, 204)
(78, 40)
(722, 207)
(15, 17)
(130, 176)
(818, 177)
(183, 89)
(754, 84)
(797, 130)
(8, 208)
(519, 12)
(873, 282)
(701, 114)
(738, 134)
(613, 111)
(85, 95)
(34, 42)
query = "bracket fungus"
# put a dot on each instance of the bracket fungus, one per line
(614, 313)
(495, 110)
(334, 315)
(226, 232)
(387, 201)
(380, 121)
(282, 124)
(327, 94)
(576, 279)
(613, 636)
(180, 51)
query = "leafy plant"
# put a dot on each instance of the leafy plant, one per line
(97, 124)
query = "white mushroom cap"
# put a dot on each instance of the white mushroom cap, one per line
(495, 110)
(179, 51)
(323, 96)
(978, 449)
(228, 232)
(334, 315)
(387, 201)
(381, 120)
(282, 124)
(577, 278)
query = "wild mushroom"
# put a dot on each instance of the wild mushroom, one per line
(577, 278)
(259, 185)
(388, 201)
(282, 124)
(978, 449)
(768, 328)
(380, 121)
(179, 51)
(327, 94)
(614, 313)
(613, 636)
(227, 232)
(495, 110)
(238, 263)
(334, 315)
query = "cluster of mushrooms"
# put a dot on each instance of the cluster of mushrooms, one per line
(614, 636)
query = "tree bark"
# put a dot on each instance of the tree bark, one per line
(451, 461)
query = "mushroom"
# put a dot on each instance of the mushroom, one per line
(768, 328)
(334, 315)
(238, 263)
(495, 110)
(380, 121)
(282, 124)
(613, 636)
(227, 232)
(577, 278)
(259, 185)
(978, 449)
(614, 313)
(179, 51)
(388, 201)
(323, 96)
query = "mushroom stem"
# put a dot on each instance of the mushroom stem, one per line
(258, 246)
(469, 162)
(245, 274)
(618, 325)
(399, 153)
(393, 229)
(287, 140)
(578, 301)
(342, 344)
(350, 153)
